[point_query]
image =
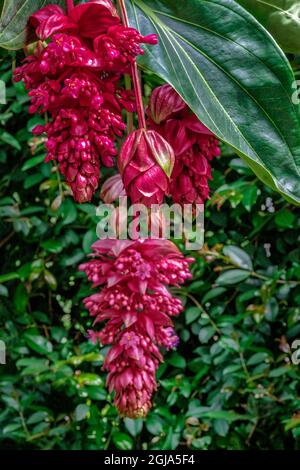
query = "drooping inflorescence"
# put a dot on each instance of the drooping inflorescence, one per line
(137, 306)
(75, 77)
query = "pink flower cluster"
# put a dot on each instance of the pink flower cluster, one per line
(135, 302)
(193, 144)
(76, 79)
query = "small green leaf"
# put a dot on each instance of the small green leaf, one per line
(221, 427)
(206, 333)
(122, 441)
(53, 246)
(279, 371)
(32, 180)
(37, 417)
(32, 162)
(177, 360)
(81, 412)
(154, 424)
(258, 358)
(285, 219)
(10, 140)
(133, 426)
(238, 257)
(9, 277)
(213, 293)
(20, 298)
(232, 276)
(191, 314)
(36, 342)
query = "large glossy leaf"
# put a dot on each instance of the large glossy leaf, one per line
(13, 20)
(233, 75)
(281, 18)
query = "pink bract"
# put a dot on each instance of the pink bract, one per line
(194, 145)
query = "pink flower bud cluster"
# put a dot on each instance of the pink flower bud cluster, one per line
(137, 307)
(75, 78)
(194, 145)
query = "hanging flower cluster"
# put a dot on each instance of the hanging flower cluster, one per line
(75, 77)
(194, 145)
(135, 302)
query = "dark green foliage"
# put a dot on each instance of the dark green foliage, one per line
(231, 383)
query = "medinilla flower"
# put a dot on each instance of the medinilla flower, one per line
(75, 78)
(112, 189)
(194, 145)
(86, 20)
(146, 163)
(138, 309)
(132, 363)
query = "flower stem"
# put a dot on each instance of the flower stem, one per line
(135, 75)
(69, 5)
(129, 115)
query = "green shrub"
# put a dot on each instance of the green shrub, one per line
(232, 382)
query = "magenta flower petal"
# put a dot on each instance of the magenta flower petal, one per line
(94, 18)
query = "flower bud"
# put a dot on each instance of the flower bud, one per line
(112, 189)
(145, 163)
(164, 102)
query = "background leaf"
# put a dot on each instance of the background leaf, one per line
(233, 76)
(14, 18)
(281, 18)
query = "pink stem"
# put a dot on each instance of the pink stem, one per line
(69, 5)
(135, 75)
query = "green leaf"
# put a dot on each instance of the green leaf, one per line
(32, 180)
(8, 277)
(20, 298)
(221, 427)
(133, 426)
(279, 371)
(38, 343)
(213, 293)
(232, 276)
(228, 416)
(38, 417)
(206, 333)
(53, 246)
(32, 162)
(281, 18)
(122, 441)
(177, 360)
(191, 314)
(50, 279)
(233, 75)
(154, 425)
(89, 238)
(10, 140)
(81, 412)
(238, 257)
(33, 366)
(258, 358)
(14, 18)
(285, 219)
